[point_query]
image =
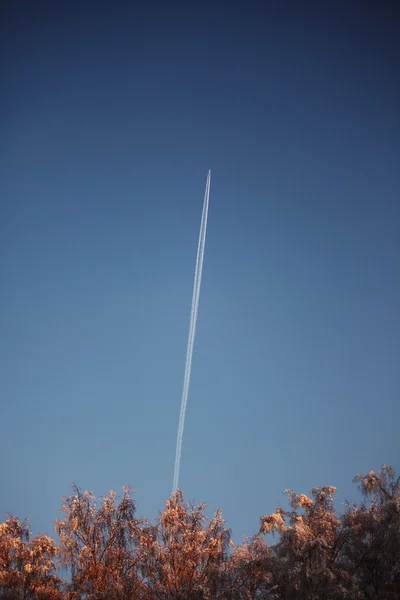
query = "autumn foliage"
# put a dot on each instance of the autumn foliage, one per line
(27, 568)
(106, 552)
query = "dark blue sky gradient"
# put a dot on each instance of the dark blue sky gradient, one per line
(112, 113)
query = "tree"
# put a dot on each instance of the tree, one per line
(183, 555)
(27, 567)
(309, 561)
(112, 555)
(372, 546)
(97, 543)
(323, 557)
(251, 570)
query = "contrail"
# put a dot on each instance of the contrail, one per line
(192, 329)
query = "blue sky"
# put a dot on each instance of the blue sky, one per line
(112, 115)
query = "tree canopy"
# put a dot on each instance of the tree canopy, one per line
(107, 553)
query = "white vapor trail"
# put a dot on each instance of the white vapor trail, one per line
(192, 330)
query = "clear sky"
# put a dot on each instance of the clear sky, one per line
(112, 114)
